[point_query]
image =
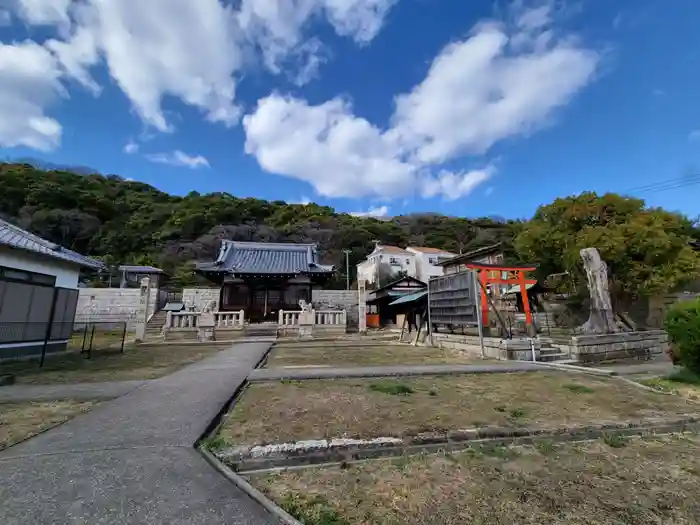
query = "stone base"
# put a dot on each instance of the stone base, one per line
(494, 348)
(621, 346)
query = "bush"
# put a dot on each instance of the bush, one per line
(682, 323)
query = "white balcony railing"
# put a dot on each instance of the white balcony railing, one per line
(321, 317)
(229, 319)
(331, 317)
(182, 320)
(288, 317)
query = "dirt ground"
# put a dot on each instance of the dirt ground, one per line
(363, 408)
(631, 482)
(136, 363)
(20, 421)
(334, 354)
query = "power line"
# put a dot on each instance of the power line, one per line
(670, 184)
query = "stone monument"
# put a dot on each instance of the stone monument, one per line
(142, 310)
(307, 319)
(601, 319)
(205, 326)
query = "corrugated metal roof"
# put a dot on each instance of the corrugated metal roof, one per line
(410, 298)
(265, 258)
(139, 269)
(15, 237)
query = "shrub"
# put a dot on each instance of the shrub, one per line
(391, 388)
(682, 323)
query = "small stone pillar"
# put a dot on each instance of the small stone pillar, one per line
(362, 305)
(142, 310)
(205, 327)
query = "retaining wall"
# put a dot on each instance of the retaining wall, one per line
(494, 348)
(619, 346)
(201, 297)
(338, 300)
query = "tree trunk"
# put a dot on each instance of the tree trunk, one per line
(601, 319)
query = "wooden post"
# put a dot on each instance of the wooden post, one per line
(526, 300)
(483, 278)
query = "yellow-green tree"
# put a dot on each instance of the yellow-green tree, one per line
(647, 250)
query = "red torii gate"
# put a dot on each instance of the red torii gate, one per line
(494, 273)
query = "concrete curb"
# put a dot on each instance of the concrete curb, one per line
(495, 436)
(573, 368)
(297, 374)
(247, 488)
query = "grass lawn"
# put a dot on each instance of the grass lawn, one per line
(137, 362)
(684, 383)
(293, 410)
(20, 421)
(632, 482)
(335, 354)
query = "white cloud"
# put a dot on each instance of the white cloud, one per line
(44, 12)
(160, 48)
(455, 185)
(377, 213)
(29, 82)
(489, 190)
(500, 82)
(131, 147)
(179, 159)
(276, 27)
(191, 51)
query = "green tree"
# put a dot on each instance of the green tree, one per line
(647, 250)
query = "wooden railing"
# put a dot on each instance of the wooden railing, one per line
(182, 320)
(229, 319)
(331, 317)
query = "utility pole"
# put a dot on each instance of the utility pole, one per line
(347, 268)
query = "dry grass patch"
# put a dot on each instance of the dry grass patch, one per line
(647, 481)
(136, 363)
(364, 408)
(334, 354)
(20, 421)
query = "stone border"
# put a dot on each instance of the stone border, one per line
(276, 511)
(321, 452)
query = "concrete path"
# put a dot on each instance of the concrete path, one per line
(78, 391)
(131, 460)
(659, 367)
(272, 374)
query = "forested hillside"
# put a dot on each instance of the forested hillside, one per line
(124, 221)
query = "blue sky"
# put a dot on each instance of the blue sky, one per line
(381, 106)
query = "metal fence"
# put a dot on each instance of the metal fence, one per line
(30, 340)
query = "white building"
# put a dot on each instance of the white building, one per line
(386, 260)
(38, 292)
(426, 260)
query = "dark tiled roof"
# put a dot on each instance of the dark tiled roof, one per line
(139, 269)
(15, 237)
(466, 257)
(265, 258)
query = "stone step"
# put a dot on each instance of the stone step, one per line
(554, 357)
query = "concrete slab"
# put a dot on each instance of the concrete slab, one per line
(273, 374)
(78, 391)
(172, 486)
(131, 460)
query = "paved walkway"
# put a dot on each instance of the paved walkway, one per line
(79, 391)
(131, 460)
(271, 374)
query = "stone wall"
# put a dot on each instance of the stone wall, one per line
(494, 348)
(337, 300)
(619, 346)
(201, 297)
(111, 304)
